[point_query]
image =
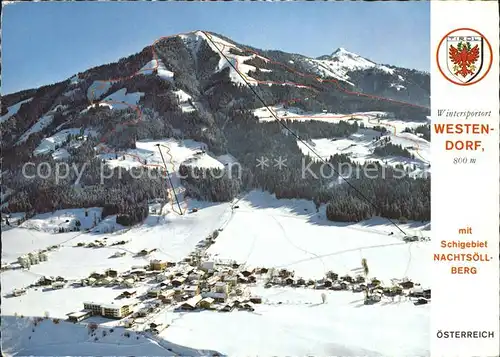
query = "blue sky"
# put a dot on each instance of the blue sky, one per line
(46, 42)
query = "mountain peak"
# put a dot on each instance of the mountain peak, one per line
(341, 50)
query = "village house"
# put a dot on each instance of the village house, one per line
(129, 294)
(206, 303)
(222, 288)
(178, 281)
(96, 275)
(227, 308)
(232, 281)
(111, 273)
(160, 277)
(213, 280)
(138, 271)
(157, 265)
(118, 255)
(192, 290)
(406, 284)
(18, 292)
(155, 292)
(247, 272)
(128, 283)
(46, 280)
(289, 281)
(256, 299)
(191, 303)
(167, 297)
(196, 275)
(208, 266)
(58, 285)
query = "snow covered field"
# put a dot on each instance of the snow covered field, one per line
(261, 231)
(310, 245)
(293, 322)
(360, 145)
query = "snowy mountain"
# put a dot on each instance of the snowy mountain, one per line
(144, 202)
(202, 87)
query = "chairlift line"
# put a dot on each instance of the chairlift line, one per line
(292, 132)
(169, 180)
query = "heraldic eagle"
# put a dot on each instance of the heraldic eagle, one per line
(463, 58)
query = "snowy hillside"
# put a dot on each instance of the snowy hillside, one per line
(309, 245)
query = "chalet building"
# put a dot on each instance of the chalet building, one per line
(213, 280)
(58, 285)
(128, 283)
(178, 281)
(167, 297)
(207, 266)
(347, 278)
(91, 281)
(192, 303)
(289, 281)
(227, 308)
(256, 299)
(222, 288)
(328, 283)
(427, 293)
(158, 265)
(231, 280)
(196, 275)
(192, 290)
(406, 284)
(359, 279)
(18, 292)
(206, 303)
(96, 275)
(160, 277)
(300, 282)
(111, 273)
(247, 272)
(154, 293)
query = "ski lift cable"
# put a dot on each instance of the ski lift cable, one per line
(169, 179)
(293, 133)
